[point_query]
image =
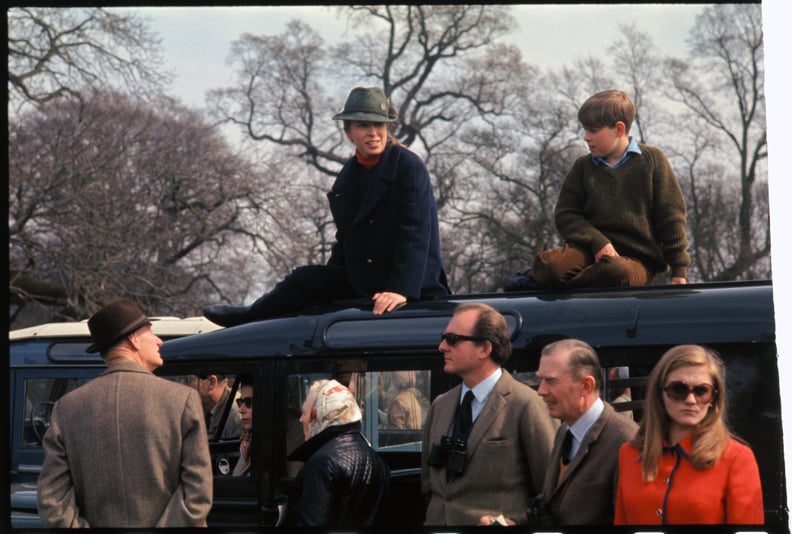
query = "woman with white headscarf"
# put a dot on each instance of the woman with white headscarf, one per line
(343, 480)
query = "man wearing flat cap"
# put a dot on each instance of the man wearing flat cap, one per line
(128, 449)
(387, 244)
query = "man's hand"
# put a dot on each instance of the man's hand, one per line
(678, 280)
(607, 250)
(387, 302)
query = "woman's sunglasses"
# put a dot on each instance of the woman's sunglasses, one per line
(247, 401)
(679, 391)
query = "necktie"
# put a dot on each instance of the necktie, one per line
(466, 417)
(566, 448)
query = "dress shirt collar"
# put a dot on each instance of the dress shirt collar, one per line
(683, 448)
(581, 427)
(632, 148)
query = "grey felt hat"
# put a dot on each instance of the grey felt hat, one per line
(366, 104)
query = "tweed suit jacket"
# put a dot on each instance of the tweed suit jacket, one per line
(127, 449)
(507, 454)
(586, 493)
(387, 234)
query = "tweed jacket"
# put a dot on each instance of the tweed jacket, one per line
(387, 235)
(126, 450)
(586, 493)
(507, 454)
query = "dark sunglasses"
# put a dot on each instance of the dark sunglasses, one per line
(679, 391)
(247, 401)
(452, 339)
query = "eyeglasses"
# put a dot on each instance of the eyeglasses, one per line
(247, 401)
(452, 339)
(679, 391)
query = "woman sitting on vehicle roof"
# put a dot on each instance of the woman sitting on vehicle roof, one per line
(387, 240)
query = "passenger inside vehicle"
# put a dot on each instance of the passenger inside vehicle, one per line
(245, 405)
(407, 406)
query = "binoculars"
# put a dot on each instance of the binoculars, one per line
(450, 453)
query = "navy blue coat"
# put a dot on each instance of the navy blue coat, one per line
(387, 233)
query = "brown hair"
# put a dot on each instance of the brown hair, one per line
(606, 108)
(583, 359)
(710, 435)
(490, 325)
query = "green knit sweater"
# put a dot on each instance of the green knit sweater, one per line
(638, 208)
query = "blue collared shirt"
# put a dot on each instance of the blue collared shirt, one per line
(581, 427)
(632, 148)
(481, 392)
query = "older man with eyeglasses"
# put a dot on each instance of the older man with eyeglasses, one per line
(486, 441)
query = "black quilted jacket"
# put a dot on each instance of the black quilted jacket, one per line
(342, 482)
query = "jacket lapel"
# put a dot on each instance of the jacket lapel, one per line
(591, 437)
(555, 459)
(375, 190)
(495, 403)
(445, 416)
(341, 198)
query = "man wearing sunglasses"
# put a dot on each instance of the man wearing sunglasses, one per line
(491, 459)
(580, 485)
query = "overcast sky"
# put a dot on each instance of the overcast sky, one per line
(197, 40)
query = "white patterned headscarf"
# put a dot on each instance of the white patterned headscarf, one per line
(334, 404)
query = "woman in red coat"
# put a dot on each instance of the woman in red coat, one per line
(684, 466)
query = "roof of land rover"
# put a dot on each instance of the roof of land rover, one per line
(162, 326)
(739, 312)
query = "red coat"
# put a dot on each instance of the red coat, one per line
(728, 492)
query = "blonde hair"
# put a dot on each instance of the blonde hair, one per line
(709, 436)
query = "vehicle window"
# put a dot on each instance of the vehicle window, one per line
(623, 391)
(622, 387)
(40, 396)
(394, 406)
(403, 403)
(223, 425)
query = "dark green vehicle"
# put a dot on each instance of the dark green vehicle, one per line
(629, 327)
